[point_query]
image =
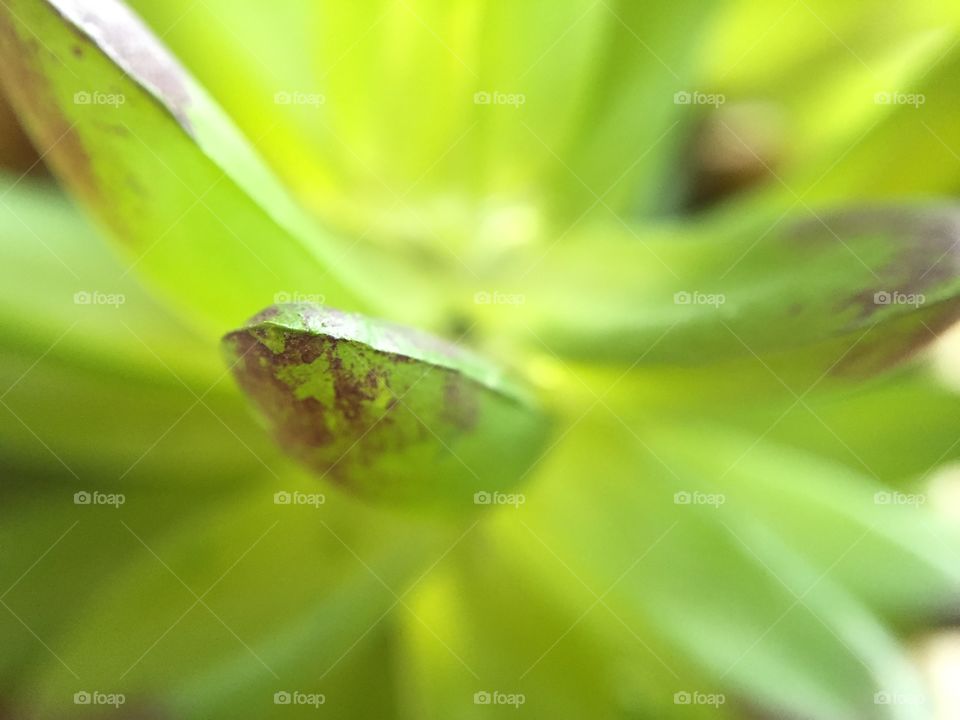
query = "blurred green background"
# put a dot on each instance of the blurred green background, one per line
(717, 240)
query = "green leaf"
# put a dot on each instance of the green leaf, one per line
(156, 160)
(563, 662)
(623, 153)
(269, 54)
(802, 292)
(385, 411)
(757, 614)
(585, 97)
(161, 592)
(96, 379)
(896, 555)
(898, 431)
(916, 135)
(854, 98)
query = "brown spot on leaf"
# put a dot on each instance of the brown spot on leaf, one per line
(924, 244)
(288, 375)
(303, 422)
(367, 406)
(898, 341)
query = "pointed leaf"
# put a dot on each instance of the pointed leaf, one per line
(147, 151)
(701, 576)
(95, 378)
(758, 288)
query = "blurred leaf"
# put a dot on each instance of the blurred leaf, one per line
(807, 289)
(566, 659)
(144, 147)
(268, 63)
(708, 579)
(917, 135)
(823, 69)
(96, 380)
(386, 411)
(164, 614)
(896, 555)
(16, 152)
(898, 431)
(77, 551)
(580, 93)
(897, 428)
(624, 151)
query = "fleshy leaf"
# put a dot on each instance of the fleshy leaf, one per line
(147, 151)
(881, 99)
(899, 431)
(161, 592)
(385, 411)
(96, 379)
(805, 288)
(580, 93)
(494, 598)
(874, 528)
(688, 565)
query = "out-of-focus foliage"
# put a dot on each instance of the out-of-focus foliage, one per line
(681, 429)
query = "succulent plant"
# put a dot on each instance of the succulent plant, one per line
(421, 357)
